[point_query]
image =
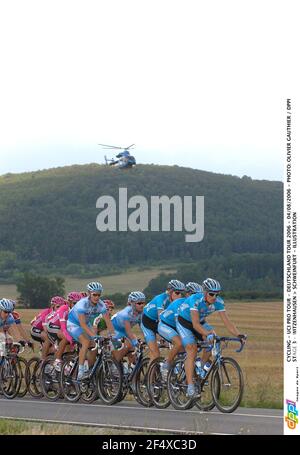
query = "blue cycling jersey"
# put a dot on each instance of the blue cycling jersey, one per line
(159, 303)
(127, 314)
(8, 321)
(84, 306)
(196, 302)
(168, 315)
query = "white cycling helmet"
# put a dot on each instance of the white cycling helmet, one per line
(210, 285)
(6, 305)
(193, 287)
(176, 285)
(94, 286)
(136, 296)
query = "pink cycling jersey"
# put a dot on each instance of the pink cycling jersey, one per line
(40, 319)
(59, 318)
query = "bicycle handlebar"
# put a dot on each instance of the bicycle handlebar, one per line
(237, 339)
(217, 339)
(104, 341)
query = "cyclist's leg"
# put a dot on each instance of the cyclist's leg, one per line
(150, 338)
(62, 345)
(46, 344)
(206, 354)
(170, 334)
(190, 345)
(77, 333)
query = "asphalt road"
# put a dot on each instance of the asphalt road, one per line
(130, 415)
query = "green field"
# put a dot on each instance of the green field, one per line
(133, 279)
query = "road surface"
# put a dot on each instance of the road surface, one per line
(130, 415)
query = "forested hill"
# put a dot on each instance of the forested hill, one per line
(50, 216)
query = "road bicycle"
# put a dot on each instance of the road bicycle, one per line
(221, 386)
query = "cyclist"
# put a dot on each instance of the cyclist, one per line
(99, 323)
(79, 323)
(151, 314)
(167, 326)
(124, 320)
(37, 329)
(7, 322)
(22, 332)
(191, 324)
(56, 302)
(57, 327)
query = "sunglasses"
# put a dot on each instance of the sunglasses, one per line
(178, 292)
(213, 294)
(95, 295)
(6, 312)
(140, 303)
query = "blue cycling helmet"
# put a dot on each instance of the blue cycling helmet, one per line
(193, 287)
(94, 286)
(211, 285)
(136, 296)
(6, 305)
(176, 285)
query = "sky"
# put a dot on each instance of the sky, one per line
(194, 83)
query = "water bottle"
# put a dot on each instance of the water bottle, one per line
(206, 368)
(198, 367)
(125, 368)
(176, 368)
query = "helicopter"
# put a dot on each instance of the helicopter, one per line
(125, 161)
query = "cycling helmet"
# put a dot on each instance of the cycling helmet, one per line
(136, 296)
(13, 303)
(176, 285)
(211, 285)
(57, 300)
(193, 287)
(83, 294)
(109, 304)
(94, 286)
(6, 305)
(74, 296)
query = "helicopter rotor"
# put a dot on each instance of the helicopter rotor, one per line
(115, 147)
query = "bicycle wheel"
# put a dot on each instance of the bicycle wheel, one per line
(22, 367)
(157, 387)
(68, 380)
(109, 381)
(9, 378)
(231, 385)
(50, 380)
(89, 392)
(177, 386)
(206, 400)
(33, 377)
(140, 384)
(124, 388)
